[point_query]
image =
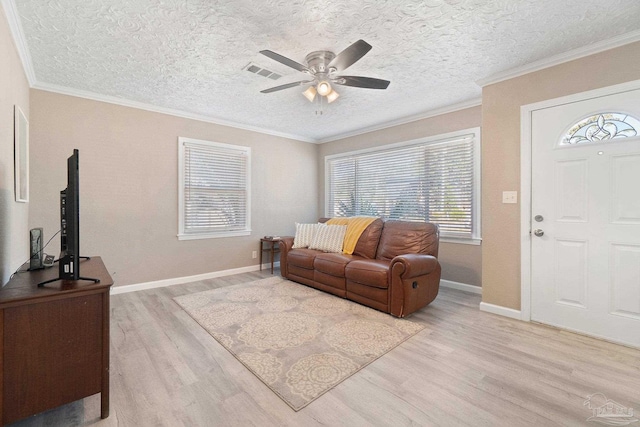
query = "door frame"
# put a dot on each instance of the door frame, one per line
(526, 169)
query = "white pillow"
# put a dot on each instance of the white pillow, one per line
(328, 238)
(304, 235)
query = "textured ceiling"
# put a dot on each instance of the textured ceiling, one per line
(189, 55)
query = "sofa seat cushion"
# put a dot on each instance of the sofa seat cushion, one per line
(332, 264)
(302, 258)
(370, 272)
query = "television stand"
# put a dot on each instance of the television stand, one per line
(89, 279)
(55, 342)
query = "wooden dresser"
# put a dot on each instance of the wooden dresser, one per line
(54, 341)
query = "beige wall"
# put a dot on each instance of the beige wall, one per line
(129, 186)
(501, 104)
(460, 263)
(14, 90)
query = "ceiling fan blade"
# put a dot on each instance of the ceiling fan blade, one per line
(350, 55)
(284, 60)
(287, 86)
(365, 82)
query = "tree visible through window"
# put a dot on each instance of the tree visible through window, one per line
(435, 180)
(214, 189)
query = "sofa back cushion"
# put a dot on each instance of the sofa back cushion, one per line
(404, 237)
(368, 242)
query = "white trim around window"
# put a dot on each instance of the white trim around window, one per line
(461, 147)
(214, 189)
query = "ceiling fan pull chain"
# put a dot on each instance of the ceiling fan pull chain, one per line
(319, 111)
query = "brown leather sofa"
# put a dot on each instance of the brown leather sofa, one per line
(394, 267)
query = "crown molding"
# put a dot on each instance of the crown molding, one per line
(17, 32)
(15, 26)
(64, 90)
(561, 58)
(13, 19)
(156, 109)
(404, 120)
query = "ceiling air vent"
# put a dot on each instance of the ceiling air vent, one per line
(253, 68)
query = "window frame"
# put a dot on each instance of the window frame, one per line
(182, 235)
(475, 133)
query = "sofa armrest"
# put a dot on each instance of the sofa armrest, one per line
(414, 265)
(284, 245)
(414, 281)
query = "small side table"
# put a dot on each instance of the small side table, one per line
(271, 246)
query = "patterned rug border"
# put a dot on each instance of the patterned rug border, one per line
(275, 391)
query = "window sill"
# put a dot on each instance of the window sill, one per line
(474, 241)
(214, 235)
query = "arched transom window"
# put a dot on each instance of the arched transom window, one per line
(601, 127)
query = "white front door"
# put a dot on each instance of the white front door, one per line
(585, 218)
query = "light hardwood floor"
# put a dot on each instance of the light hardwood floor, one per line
(466, 368)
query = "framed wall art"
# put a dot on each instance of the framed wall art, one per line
(21, 155)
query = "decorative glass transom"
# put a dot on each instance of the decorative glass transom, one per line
(601, 127)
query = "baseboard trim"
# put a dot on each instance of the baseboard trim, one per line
(460, 286)
(500, 311)
(187, 279)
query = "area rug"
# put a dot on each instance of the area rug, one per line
(299, 341)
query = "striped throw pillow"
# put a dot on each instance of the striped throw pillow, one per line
(328, 238)
(304, 235)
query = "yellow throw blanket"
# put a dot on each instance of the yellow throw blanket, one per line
(355, 226)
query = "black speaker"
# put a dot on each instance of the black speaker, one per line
(35, 239)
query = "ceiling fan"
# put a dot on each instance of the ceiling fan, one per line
(323, 66)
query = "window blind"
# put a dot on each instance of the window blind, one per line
(215, 188)
(450, 186)
(430, 181)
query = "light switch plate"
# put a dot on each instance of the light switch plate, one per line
(509, 197)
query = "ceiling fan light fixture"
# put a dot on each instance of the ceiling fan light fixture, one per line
(325, 67)
(324, 88)
(310, 93)
(333, 95)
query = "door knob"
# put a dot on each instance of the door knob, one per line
(538, 232)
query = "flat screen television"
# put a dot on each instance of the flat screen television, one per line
(69, 261)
